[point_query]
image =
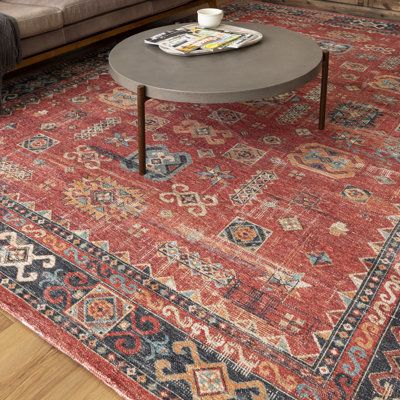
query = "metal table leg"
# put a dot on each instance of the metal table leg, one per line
(324, 89)
(141, 125)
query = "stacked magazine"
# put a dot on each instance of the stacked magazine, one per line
(190, 38)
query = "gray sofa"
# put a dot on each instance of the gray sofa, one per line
(49, 24)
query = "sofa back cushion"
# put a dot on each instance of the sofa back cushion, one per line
(79, 10)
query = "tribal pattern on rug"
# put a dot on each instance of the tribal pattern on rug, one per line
(258, 258)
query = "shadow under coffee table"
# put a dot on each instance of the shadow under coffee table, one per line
(281, 62)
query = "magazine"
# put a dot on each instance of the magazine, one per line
(241, 41)
(163, 36)
(188, 38)
(208, 41)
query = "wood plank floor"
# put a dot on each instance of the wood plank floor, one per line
(31, 369)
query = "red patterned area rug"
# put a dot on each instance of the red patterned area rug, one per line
(258, 259)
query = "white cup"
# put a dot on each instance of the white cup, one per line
(209, 17)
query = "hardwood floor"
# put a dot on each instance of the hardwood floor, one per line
(31, 369)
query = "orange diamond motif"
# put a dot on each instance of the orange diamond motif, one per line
(209, 381)
(100, 310)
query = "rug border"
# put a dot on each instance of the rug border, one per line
(72, 348)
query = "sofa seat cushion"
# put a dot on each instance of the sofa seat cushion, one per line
(79, 10)
(107, 21)
(33, 20)
(40, 43)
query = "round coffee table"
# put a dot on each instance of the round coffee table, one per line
(281, 62)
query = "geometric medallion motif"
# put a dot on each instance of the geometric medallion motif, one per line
(103, 197)
(244, 154)
(356, 194)
(161, 164)
(325, 160)
(272, 139)
(199, 130)
(355, 115)
(290, 224)
(245, 234)
(354, 66)
(118, 97)
(226, 116)
(205, 153)
(100, 310)
(387, 82)
(38, 143)
(153, 122)
(207, 381)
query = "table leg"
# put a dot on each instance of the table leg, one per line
(141, 125)
(324, 89)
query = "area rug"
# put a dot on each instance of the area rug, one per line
(258, 259)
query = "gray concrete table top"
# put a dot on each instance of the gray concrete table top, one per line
(281, 62)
